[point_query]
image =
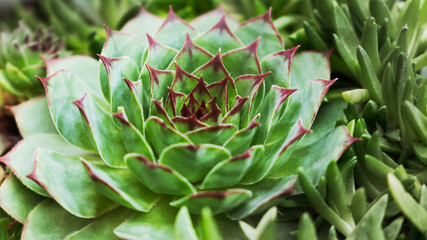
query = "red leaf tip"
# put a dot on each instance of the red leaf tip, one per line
(106, 60)
(121, 117)
(151, 42)
(80, 106)
(252, 48)
(129, 83)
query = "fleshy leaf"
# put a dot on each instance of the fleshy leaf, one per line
(39, 223)
(184, 158)
(207, 20)
(276, 64)
(116, 45)
(261, 26)
(156, 224)
(183, 81)
(235, 114)
(329, 147)
(103, 226)
(243, 60)
(21, 158)
(229, 172)
(219, 37)
(157, 110)
(407, 204)
(218, 201)
(62, 88)
(66, 181)
(242, 139)
(108, 138)
(303, 105)
(161, 136)
(142, 24)
(16, 199)
(184, 229)
(120, 44)
(264, 195)
(86, 68)
(160, 81)
(173, 31)
(117, 69)
(264, 168)
(192, 56)
(33, 117)
(271, 110)
(217, 135)
(121, 186)
(212, 71)
(266, 228)
(159, 56)
(158, 178)
(307, 66)
(225, 93)
(132, 137)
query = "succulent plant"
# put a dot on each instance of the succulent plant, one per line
(203, 115)
(21, 56)
(81, 23)
(381, 49)
(382, 46)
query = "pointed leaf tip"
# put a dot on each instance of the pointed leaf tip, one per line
(129, 83)
(300, 132)
(106, 60)
(252, 48)
(120, 116)
(151, 42)
(284, 93)
(42, 80)
(173, 17)
(80, 106)
(108, 31)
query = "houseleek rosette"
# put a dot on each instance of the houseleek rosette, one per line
(200, 115)
(21, 54)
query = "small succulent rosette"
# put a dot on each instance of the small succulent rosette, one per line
(21, 53)
(201, 115)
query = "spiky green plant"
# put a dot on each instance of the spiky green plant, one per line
(382, 46)
(188, 118)
(21, 58)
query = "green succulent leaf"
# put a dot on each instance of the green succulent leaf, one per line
(39, 224)
(102, 227)
(64, 114)
(177, 109)
(183, 226)
(369, 226)
(21, 158)
(184, 158)
(62, 183)
(156, 224)
(24, 199)
(263, 27)
(412, 210)
(221, 201)
(157, 177)
(121, 186)
(33, 117)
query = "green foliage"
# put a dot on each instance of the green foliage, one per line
(199, 117)
(21, 58)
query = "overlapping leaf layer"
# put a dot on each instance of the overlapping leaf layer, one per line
(174, 114)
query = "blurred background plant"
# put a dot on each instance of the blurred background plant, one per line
(81, 23)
